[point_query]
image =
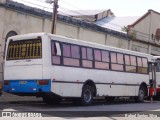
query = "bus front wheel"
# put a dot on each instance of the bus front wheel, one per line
(141, 95)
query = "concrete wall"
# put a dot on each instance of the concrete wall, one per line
(26, 23)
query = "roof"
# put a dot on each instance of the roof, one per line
(87, 15)
(80, 12)
(116, 23)
(142, 17)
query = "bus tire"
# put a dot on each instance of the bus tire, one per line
(141, 95)
(86, 97)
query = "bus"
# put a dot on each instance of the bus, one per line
(55, 68)
(156, 84)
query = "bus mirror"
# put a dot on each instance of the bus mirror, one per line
(58, 49)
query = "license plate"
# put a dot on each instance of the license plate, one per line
(22, 82)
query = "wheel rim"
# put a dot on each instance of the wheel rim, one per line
(141, 95)
(87, 95)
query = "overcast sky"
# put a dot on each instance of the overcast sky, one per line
(118, 7)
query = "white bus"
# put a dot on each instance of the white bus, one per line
(56, 67)
(156, 84)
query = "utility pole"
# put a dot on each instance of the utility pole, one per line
(54, 15)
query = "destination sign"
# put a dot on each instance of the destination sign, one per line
(24, 49)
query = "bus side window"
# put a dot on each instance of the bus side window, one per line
(58, 49)
(56, 53)
(142, 65)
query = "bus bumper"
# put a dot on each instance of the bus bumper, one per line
(27, 86)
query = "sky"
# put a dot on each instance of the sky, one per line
(118, 7)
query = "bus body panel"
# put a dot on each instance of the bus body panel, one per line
(22, 72)
(108, 83)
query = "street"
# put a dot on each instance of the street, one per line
(13, 103)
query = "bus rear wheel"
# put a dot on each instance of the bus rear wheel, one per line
(86, 97)
(141, 95)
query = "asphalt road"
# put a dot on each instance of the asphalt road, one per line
(66, 110)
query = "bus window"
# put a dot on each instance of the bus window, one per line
(24, 49)
(127, 60)
(58, 49)
(117, 62)
(133, 60)
(142, 65)
(130, 63)
(113, 58)
(105, 56)
(97, 55)
(71, 55)
(87, 57)
(56, 53)
(101, 59)
(139, 60)
(120, 58)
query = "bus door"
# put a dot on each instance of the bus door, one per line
(152, 75)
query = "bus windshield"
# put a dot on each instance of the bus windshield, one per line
(24, 49)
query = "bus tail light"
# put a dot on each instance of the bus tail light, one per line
(6, 82)
(43, 82)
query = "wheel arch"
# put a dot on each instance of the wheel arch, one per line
(144, 85)
(92, 84)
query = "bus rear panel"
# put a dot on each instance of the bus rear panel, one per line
(24, 67)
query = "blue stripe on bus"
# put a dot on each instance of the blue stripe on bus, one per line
(31, 86)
